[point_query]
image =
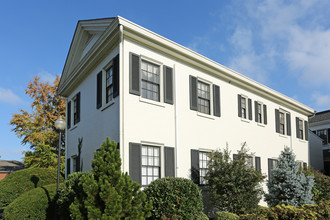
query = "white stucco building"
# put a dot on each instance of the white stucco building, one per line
(167, 105)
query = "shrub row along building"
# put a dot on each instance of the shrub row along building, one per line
(167, 106)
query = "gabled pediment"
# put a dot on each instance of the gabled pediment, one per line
(86, 35)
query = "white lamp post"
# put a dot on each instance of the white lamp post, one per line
(60, 125)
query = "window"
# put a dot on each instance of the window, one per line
(109, 88)
(150, 80)
(203, 97)
(203, 161)
(74, 164)
(244, 107)
(272, 163)
(301, 129)
(76, 108)
(283, 122)
(323, 134)
(259, 113)
(251, 161)
(150, 164)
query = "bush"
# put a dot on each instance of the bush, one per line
(288, 212)
(24, 180)
(108, 193)
(68, 191)
(323, 209)
(174, 197)
(227, 216)
(37, 203)
(234, 186)
(321, 185)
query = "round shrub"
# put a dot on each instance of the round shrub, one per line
(24, 180)
(37, 203)
(68, 191)
(227, 216)
(176, 198)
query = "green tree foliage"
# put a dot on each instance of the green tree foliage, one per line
(38, 203)
(174, 198)
(108, 193)
(234, 186)
(24, 180)
(288, 186)
(43, 156)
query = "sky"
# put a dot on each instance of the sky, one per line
(284, 45)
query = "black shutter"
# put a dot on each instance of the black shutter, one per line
(297, 127)
(235, 156)
(277, 120)
(305, 166)
(169, 161)
(270, 167)
(99, 90)
(288, 125)
(306, 130)
(216, 101)
(118, 146)
(256, 111)
(193, 92)
(168, 85)
(265, 114)
(328, 133)
(77, 163)
(135, 162)
(68, 119)
(78, 107)
(239, 97)
(250, 109)
(134, 74)
(68, 167)
(195, 166)
(115, 80)
(258, 164)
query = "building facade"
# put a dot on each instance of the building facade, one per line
(320, 125)
(168, 106)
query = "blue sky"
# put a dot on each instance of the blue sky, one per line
(282, 44)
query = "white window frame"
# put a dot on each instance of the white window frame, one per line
(285, 129)
(303, 129)
(160, 162)
(261, 112)
(74, 163)
(106, 104)
(211, 115)
(201, 153)
(247, 112)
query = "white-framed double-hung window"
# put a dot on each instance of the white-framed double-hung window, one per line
(150, 156)
(109, 84)
(203, 97)
(203, 167)
(150, 80)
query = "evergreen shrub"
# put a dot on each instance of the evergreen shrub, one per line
(227, 216)
(321, 185)
(68, 191)
(174, 198)
(37, 203)
(18, 182)
(288, 212)
(108, 193)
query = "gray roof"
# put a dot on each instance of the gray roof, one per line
(8, 166)
(320, 116)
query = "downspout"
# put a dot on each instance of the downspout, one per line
(175, 123)
(309, 149)
(121, 95)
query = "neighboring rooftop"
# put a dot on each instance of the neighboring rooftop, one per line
(8, 166)
(320, 116)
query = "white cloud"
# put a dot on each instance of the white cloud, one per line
(321, 101)
(7, 96)
(47, 77)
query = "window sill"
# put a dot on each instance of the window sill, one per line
(74, 127)
(245, 120)
(108, 105)
(283, 136)
(205, 115)
(148, 101)
(261, 125)
(303, 141)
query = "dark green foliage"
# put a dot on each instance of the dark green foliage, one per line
(24, 180)
(107, 192)
(234, 186)
(227, 216)
(321, 185)
(291, 212)
(288, 186)
(174, 198)
(68, 191)
(37, 203)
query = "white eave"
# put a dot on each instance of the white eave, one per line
(152, 40)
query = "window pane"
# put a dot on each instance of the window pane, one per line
(144, 171)
(144, 180)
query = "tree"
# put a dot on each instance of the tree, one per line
(287, 185)
(37, 127)
(108, 193)
(234, 186)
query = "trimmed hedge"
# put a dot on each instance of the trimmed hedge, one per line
(38, 203)
(18, 182)
(174, 198)
(227, 216)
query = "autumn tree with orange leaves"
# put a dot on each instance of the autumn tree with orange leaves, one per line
(36, 128)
